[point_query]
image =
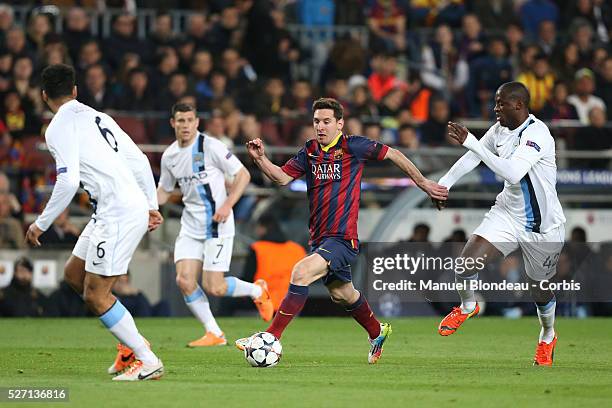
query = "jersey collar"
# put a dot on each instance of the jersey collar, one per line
(332, 144)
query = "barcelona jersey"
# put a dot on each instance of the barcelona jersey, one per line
(333, 179)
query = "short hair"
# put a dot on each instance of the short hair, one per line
(183, 107)
(516, 91)
(329, 103)
(406, 126)
(25, 262)
(58, 80)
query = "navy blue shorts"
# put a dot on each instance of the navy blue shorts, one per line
(339, 254)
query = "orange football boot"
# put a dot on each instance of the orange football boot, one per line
(454, 319)
(125, 357)
(208, 340)
(545, 352)
(264, 302)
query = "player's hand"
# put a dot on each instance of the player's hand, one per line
(255, 148)
(155, 220)
(33, 234)
(435, 190)
(222, 213)
(439, 204)
(457, 132)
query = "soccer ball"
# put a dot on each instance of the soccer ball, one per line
(263, 350)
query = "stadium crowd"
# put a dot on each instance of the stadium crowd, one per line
(238, 61)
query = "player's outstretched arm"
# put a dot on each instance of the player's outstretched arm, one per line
(511, 170)
(433, 189)
(255, 148)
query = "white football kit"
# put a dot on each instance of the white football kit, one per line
(91, 150)
(200, 170)
(527, 213)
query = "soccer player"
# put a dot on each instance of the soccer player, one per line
(333, 163)
(527, 213)
(90, 149)
(200, 164)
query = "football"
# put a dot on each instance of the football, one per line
(263, 350)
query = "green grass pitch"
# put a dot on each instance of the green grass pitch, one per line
(486, 363)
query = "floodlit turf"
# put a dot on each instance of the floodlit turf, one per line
(486, 363)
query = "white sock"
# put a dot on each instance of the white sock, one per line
(239, 288)
(546, 314)
(468, 301)
(197, 302)
(120, 322)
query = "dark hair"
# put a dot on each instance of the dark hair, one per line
(406, 126)
(516, 91)
(329, 103)
(183, 107)
(58, 80)
(269, 222)
(25, 262)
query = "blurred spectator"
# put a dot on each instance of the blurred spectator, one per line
(6, 69)
(472, 39)
(133, 299)
(433, 131)
(433, 12)
(272, 100)
(384, 75)
(352, 126)
(7, 19)
(225, 32)
(76, 33)
(547, 37)
(604, 82)
(177, 87)
(299, 102)
(420, 233)
(123, 40)
(539, 81)
(260, 41)
(533, 12)
(347, 57)
(185, 48)
(95, 91)
(558, 107)
(444, 68)
(162, 35)
(567, 63)
(168, 64)
(16, 43)
(215, 127)
(65, 302)
(417, 98)
(581, 33)
(20, 299)
(407, 137)
(372, 130)
(457, 235)
(288, 51)
(19, 118)
(138, 96)
(596, 12)
(527, 58)
(38, 27)
(197, 30)
(595, 136)
(487, 74)
(272, 257)
(23, 84)
(361, 103)
(387, 24)
(61, 234)
(5, 190)
(494, 14)
(199, 76)
(89, 54)
(514, 37)
(240, 78)
(583, 99)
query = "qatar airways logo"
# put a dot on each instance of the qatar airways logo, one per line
(326, 171)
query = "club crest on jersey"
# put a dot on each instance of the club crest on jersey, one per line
(533, 144)
(198, 159)
(338, 154)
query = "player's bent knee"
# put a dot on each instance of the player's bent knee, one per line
(216, 289)
(300, 275)
(185, 284)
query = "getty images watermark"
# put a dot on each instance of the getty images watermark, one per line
(418, 272)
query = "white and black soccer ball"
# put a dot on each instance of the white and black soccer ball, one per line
(263, 350)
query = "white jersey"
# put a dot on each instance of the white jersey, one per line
(200, 170)
(91, 150)
(533, 201)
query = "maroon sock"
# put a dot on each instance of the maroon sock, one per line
(290, 307)
(360, 310)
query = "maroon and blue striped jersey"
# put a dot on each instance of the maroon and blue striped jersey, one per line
(333, 180)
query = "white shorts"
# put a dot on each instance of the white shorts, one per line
(540, 251)
(216, 253)
(108, 247)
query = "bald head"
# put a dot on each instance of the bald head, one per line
(516, 91)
